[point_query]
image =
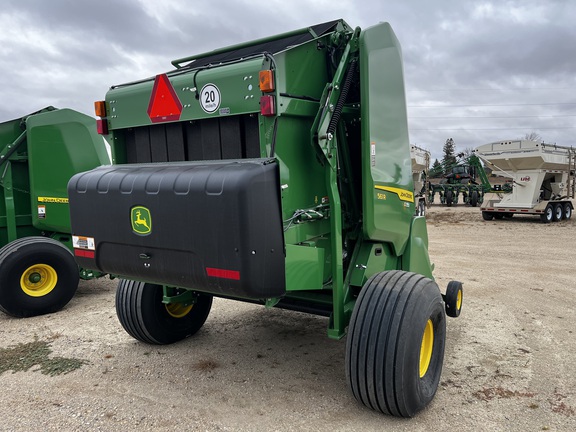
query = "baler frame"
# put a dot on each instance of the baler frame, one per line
(335, 131)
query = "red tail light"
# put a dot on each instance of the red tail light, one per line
(102, 126)
(267, 105)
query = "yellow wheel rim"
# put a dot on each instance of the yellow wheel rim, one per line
(459, 300)
(178, 310)
(38, 280)
(426, 348)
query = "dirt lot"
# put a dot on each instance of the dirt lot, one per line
(509, 362)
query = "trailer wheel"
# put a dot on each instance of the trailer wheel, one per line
(449, 198)
(487, 216)
(144, 317)
(499, 216)
(38, 275)
(558, 212)
(453, 299)
(548, 214)
(474, 198)
(567, 211)
(395, 345)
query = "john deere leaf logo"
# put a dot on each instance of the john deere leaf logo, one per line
(141, 220)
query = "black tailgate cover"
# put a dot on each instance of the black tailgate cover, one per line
(210, 226)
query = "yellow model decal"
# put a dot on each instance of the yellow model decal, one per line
(53, 200)
(403, 194)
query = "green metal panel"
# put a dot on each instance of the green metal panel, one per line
(304, 267)
(127, 105)
(61, 143)
(301, 177)
(372, 258)
(302, 71)
(388, 199)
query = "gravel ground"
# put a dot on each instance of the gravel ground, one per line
(508, 365)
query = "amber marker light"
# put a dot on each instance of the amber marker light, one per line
(100, 108)
(266, 79)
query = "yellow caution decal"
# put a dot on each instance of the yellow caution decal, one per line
(403, 194)
(53, 200)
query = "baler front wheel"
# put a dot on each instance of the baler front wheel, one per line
(141, 312)
(395, 345)
(453, 299)
(38, 275)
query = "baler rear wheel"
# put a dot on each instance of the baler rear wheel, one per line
(567, 211)
(395, 345)
(558, 212)
(548, 214)
(38, 275)
(141, 312)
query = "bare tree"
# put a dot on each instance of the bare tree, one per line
(467, 152)
(532, 136)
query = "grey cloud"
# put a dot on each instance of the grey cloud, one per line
(455, 52)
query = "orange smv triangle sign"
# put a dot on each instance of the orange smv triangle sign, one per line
(164, 103)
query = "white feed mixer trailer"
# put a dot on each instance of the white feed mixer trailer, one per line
(542, 175)
(420, 163)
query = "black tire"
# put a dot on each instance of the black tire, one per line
(548, 214)
(449, 198)
(38, 275)
(395, 345)
(508, 215)
(487, 216)
(474, 198)
(453, 299)
(567, 211)
(499, 216)
(558, 212)
(141, 312)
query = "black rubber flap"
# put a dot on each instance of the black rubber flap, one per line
(210, 226)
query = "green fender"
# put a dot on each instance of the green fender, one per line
(415, 257)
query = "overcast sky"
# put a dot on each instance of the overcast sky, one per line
(475, 71)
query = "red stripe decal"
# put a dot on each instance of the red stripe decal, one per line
(224, 274)
(84, 253)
